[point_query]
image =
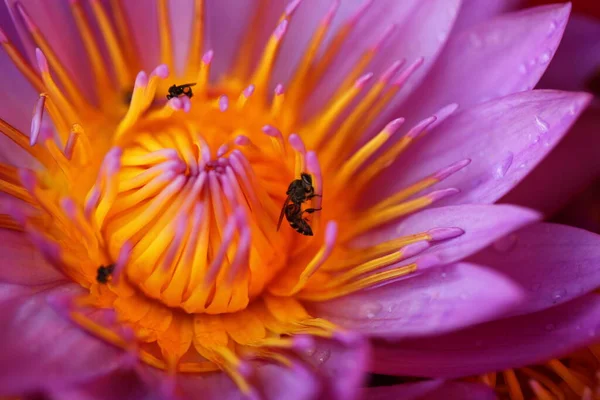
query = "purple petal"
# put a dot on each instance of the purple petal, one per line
(505, 139)
(437, 301)
(495, 58)
(270, 382)
(23, 264)
(581, 42)
(427, 24)
(430, 390)
(121, 385)
(482, 225)
(553, 263)
(341, 365)
(568, 169)
(471, 12)
(494, 346)
(37, 345)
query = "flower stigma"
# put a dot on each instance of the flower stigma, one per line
(165, 210)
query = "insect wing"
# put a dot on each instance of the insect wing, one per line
(287, 201)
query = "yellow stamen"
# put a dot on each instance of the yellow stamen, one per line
(114, 49)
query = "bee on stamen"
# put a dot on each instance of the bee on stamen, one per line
(104, 273)
(298, 192)
(179, 90)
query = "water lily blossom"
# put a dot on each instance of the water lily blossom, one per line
(141, 201)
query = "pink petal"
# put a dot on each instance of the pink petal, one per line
(437, 301)
(581, 42)
(505, 139)
(482, 225)
(430, 390)
(471, 12)
(23, 264)
(495, 58)
(553, 263)
(270, 382)
(427, 24)
(37, 345)
(567, 170)
(342, 366)
(119, 385)
(495, 346)
(143, 25)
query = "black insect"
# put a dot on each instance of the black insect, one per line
(104, 273)
(299, 191)
(178, 90)
(294, 214)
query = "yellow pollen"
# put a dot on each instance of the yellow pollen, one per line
(166, 209)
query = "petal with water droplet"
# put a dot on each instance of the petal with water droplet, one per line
(509, 343)
(554, 264)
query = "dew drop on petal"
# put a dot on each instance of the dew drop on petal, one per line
(322, 355)
(558, 295)
(444, 275)
(501, 168)
(523, 68)
(544, 58)
(592, 332)
(541, 124)
(552, 27)
(370, 310)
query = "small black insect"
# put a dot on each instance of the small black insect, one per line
(299, 191)
(104, 273)
(294, 214)
(178, 90)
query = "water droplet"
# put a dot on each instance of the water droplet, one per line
(577, 327)
(552, 27)
(592, 332)
(532, 62)
(370, 310)
(558, 295)
(390, 308)
(523, 165)
(475, 40)
(505, 244)
(311, 351)
(542, 125)
(544, 58)
(444, 275)
(523, 68)
(535, 287)
(502, 167)
(573, 109)
(550, 327)
(441, 37)
(322, 355)
(537, 139)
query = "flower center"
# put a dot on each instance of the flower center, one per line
(194, 193)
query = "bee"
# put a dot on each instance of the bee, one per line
(178, 90)
(299, 191)
(294, 214)
(104, 273)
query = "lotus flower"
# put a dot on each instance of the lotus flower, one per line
(141, 233)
